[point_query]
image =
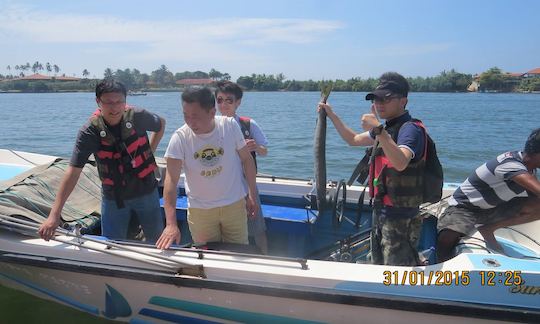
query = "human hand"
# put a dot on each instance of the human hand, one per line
(251, 145)
(251, 206)
(171, 234)
(326, 107)
(48, 227)
(370, 120)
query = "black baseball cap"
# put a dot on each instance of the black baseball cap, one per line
(388, 89)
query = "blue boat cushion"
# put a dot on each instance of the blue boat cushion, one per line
(273, 212)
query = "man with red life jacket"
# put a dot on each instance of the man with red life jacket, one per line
(116, 135)
(396, 172)
(228, 98)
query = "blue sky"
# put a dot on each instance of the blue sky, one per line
(301, 39)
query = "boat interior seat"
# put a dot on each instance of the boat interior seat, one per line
(272, 212)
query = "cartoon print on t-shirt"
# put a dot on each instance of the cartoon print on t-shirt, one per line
(209, 157)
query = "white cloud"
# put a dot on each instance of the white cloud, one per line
(98, 41)
(45, 27)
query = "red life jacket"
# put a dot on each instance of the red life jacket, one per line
(121, 162)
(245, 126)
(397, 188)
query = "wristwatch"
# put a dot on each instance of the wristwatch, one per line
(377, 130)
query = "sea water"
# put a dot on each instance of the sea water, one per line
(468, 128)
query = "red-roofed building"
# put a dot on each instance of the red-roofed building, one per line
(535, 73)
(194, 82)
(35, 77)
(41, 77)
(515, 75)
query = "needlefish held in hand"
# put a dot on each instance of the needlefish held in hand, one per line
(319, 146)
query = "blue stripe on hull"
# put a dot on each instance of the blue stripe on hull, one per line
(222, 312)
(173, 317)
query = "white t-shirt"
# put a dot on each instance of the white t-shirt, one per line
(211, 163)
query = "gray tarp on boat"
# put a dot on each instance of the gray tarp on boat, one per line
(32, 193)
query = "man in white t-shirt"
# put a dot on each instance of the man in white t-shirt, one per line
(215, 158)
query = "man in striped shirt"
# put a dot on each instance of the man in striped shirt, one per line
(502, 192)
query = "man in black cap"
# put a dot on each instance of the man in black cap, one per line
(396, 173)
(501, 192)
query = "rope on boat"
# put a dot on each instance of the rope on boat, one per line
(166, 262)
(20, 156)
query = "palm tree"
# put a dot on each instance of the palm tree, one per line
(214, 74)
(48, 67)
(56, 69)
(108, 73)
(226, 76)
(85, 73)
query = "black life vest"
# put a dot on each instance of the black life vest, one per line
(398, 188)
(125, 162)
(245, 126)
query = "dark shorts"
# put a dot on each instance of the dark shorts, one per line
(464, 220)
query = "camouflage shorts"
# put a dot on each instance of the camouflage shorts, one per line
(464, 220)
(394, 240)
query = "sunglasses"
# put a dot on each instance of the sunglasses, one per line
(228, 100)
(384, 100)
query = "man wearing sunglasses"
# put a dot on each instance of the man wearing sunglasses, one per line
(396, 173)
(501, 192)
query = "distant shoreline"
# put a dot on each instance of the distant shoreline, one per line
(180, 90)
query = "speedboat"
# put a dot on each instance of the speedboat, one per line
(316, 271)
(136, 93)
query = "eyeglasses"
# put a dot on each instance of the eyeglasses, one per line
(384, 100)
(228, 100)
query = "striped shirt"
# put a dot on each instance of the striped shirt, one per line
(491, 184)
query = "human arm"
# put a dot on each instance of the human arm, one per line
(529, 182)
(148, 121)
(254, 147)
(70, 179)
(259, 142)
(400, 157)
(171, 233)
(250, 174)
(410, 141)
(349, 136)
(155, 137)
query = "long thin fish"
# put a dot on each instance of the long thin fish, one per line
(319, 146)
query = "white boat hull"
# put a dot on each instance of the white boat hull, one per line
(241, 288)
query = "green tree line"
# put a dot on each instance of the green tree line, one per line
(162, 78)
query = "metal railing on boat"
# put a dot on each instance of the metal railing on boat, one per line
(180, 268)
(166, 262)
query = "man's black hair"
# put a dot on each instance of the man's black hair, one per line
(203, 96)
(398, 79)
(110, 85)
(229, 87)
(532, 145)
